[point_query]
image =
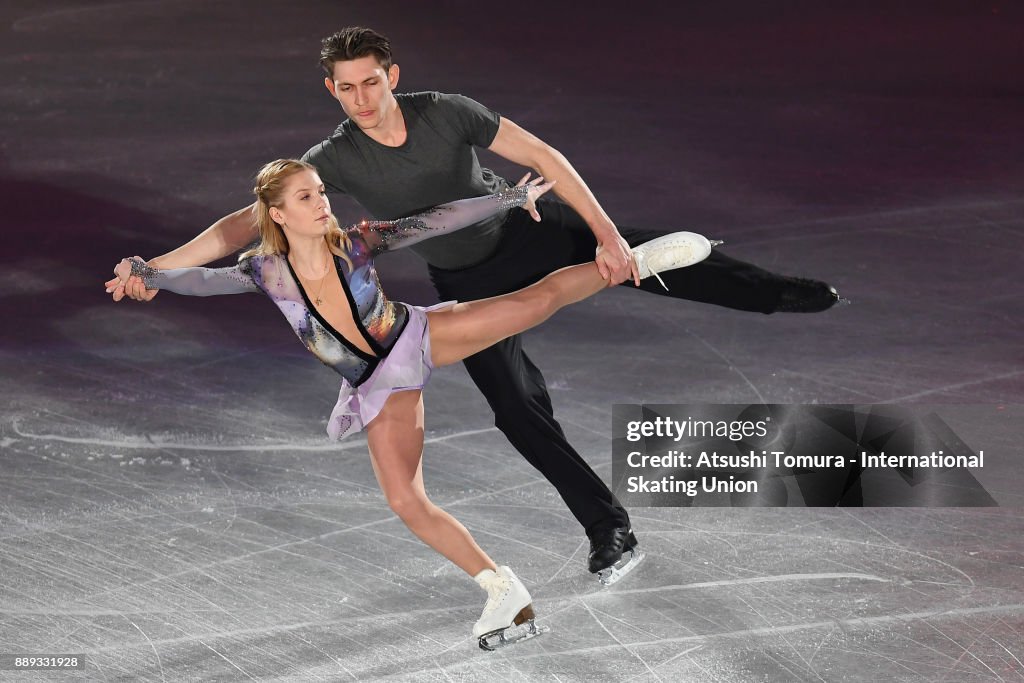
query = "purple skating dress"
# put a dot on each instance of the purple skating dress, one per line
(396, 332)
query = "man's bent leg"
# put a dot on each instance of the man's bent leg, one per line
(515, 390)
(528, 252)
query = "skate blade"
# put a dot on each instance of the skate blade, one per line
(715, 243)
(620, 569)
(496, 640)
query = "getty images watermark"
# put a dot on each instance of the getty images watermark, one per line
(793, 455)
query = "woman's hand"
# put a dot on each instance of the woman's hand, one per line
(537, 188)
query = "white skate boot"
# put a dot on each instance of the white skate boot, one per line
(508, 606)
(675, 250)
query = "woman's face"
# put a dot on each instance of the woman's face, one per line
(305, 209)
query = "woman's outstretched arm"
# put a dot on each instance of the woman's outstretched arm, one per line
(188, 281)
(387, 235)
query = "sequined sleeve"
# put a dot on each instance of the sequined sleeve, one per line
(195, 281)
(445, 218)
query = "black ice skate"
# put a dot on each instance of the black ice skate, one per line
(614, 554)
(802, 295)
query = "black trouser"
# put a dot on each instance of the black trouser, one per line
(513, 385)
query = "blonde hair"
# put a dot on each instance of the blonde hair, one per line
(269, 191)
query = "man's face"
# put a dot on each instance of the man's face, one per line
(363, 88)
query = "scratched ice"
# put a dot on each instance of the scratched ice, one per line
(170, 507)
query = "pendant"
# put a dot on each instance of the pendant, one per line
(318, 301)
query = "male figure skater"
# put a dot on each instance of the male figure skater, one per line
(397, 154)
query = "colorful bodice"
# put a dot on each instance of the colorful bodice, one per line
(378, 319)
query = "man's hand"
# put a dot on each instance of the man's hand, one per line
(615, 260)
(136, 289)
(133, 289)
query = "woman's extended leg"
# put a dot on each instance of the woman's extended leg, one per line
(395, 438)
(469, 327)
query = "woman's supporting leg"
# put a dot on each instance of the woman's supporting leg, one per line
(471, 326)
(395, 438)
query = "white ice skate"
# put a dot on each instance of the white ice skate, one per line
(675, 250)
(508, 615)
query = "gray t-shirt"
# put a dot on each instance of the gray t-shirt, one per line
(435, 165)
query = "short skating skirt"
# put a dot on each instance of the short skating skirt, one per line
(407, 367)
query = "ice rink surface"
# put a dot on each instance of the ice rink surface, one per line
(170, 506)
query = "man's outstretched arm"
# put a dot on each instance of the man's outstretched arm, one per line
(226, 236)
(522, 147)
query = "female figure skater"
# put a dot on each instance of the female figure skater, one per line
(323, 280)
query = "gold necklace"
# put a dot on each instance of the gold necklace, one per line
(323, 278)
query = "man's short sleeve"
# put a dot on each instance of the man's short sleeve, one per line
(478, 123)
(325, 158)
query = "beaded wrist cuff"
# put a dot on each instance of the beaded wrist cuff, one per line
(513, 197)
(141, 269)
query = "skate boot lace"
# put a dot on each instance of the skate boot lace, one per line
(641, 264)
